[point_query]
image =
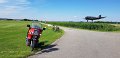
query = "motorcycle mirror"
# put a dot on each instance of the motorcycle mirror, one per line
(28, 25)
(44, 28)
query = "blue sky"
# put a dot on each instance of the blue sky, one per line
(60, 10)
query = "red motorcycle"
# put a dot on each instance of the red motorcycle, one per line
(33, 35)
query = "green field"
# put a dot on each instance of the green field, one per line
(116, 25)
(89, 26)
(12, 38)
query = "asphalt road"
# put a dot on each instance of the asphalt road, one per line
(83, 44)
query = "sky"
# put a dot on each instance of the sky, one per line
(60, 10)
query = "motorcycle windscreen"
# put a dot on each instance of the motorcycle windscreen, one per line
(36, 25)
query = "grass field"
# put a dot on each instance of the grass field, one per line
(12, 38)
(90, 26)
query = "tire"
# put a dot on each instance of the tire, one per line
(33, 43)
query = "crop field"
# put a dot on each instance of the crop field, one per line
(116, 25)
(13, 42)
(90, 26)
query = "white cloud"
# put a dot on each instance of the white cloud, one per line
(8, 7)
(8, 10)
(3, 1)
(75, 16)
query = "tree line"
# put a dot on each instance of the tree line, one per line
(19, 19)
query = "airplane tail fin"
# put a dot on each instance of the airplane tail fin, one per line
(99, 16)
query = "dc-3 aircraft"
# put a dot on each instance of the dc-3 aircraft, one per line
(94, 18)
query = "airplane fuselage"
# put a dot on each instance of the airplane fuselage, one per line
(93, 18)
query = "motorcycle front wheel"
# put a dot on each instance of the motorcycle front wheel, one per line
(33, 43)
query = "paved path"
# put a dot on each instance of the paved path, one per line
(83, 44)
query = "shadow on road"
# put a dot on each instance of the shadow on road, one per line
(49, 48)
(46, 48)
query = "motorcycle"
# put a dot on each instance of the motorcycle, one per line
(33, 35)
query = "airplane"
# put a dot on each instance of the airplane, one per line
(94, 18)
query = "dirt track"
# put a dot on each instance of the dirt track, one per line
(83, 44)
